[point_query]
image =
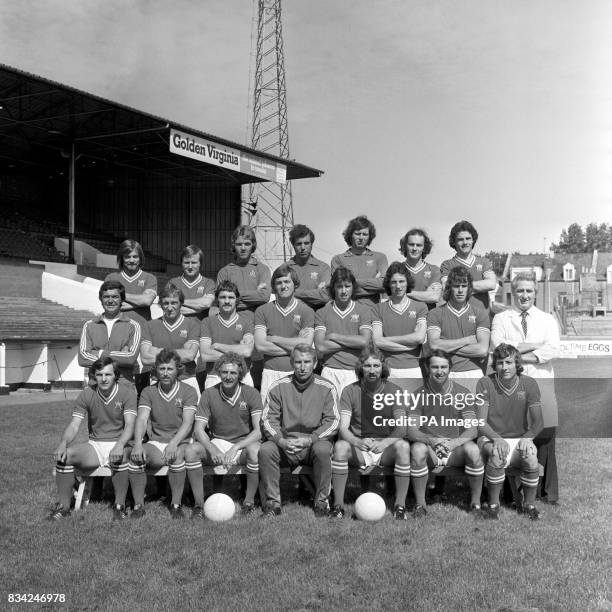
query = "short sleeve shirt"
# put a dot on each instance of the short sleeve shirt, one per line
(230, 331)
(137, 284)
(477, 267)
(192, 290)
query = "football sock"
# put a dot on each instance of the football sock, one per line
(402, 482)
(195, 473)
(121, 483)
(64, 477)
(176, 478)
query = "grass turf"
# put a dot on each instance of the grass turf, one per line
(446, 561)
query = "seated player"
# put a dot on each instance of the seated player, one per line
(343, 328)
(365, 436)
(367, 266)
(225, 332)
(112, 334)
(281, 325)
(512, 417)
(442, 430)
(399, 326)
(110, 409)
(460, 327)
(172, 331)
(198, 290)
(299, 421)
(462, 239)
(231, 411)
(313, 273)
(415, 246)
(169, 406)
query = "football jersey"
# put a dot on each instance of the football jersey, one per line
(137, 285)
(508, 407)
(348, 322)
(105, 421)
(454, 324)
(397, 320)
(359, 404)
(477, 267)
(311, 275)
(287, 322)
(444, 409)
(160, 334)
(424, 275)
(230, 331)
(192, 290)
(247, 278)
(369, 269)
(166, 409)
(229, 418)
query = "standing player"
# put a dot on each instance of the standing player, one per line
(197, 289)
(462, 239)
(224, 332)
(415, 246)
(169, 406)
(442, 430)
(536, 336)
(513, 418)
(343, 328)
(313, 274)
(140, 286)
(112, 334)
(172, 331)
(280, 326)
(367, 266)
(299, 421)
(365, 436)
(231, 412)
(110, 410)
(460, 328)
(399, 327)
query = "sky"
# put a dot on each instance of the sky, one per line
(420, 112)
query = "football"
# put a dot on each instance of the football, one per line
(219, 507)
(370, 507)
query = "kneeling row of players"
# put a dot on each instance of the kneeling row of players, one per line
(483, 433)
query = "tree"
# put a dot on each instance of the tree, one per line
(498, 260)
(598, 237)
(572, 240)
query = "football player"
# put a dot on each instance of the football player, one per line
(512, 417)
(110, 409)
(231, 411)
(370, 435)
(169, 406)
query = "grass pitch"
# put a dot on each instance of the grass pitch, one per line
(446, 561)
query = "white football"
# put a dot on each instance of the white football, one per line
(219, 507)
(370, 507)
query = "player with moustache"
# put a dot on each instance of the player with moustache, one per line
(367, 266)
(536, 336)
(110, 410)
(447, 437)
(460, 327)
(415, 246)
(343, 328)
(313, 274)
(112, 334)
(462, 238)
(512, 417)
(399, 326)
(169, 406)
(226, 331)
(226, 431)
(280, 326)
(198, 290)
(369, 436)
(172, 331)
(300, 420)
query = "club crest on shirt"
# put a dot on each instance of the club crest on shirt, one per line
(178, 402)
(472, 318)
(141, 283)
(242, 405)
(314, 276)
(238, 326)
(412, 314)
(200, 290)
(118, 406)
(479, 267)
(369, 262)
(520, 395)
(183, 333)
(354, 318)
(297, 318)
(427, 274)
(252, 273)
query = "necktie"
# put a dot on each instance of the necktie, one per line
(524, 322)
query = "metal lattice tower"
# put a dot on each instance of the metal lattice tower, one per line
(270, 205)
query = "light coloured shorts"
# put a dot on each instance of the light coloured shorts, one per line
(103, 450)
